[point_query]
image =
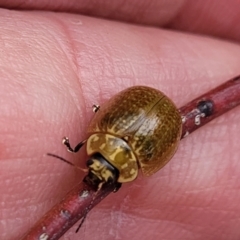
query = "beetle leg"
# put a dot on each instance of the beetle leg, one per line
(118, 185)
(66, 142)
(95, 108)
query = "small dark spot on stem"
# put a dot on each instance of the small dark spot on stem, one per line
(206, 107)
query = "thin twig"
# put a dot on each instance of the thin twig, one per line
(83, 198)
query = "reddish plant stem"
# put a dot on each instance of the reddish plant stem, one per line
(65, 214)
(83, 198)
(222, 99)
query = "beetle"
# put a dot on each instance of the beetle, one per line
(139, 128)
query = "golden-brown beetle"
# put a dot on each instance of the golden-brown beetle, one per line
(138, 128)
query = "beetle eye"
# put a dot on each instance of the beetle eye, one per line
(89, 162)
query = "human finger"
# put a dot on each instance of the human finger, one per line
(54, 66)
(217, 18)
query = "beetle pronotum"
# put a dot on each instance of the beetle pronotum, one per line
(103, 176)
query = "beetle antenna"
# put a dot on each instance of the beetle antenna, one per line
(90, 206)
(66, 161)
(81, 223)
